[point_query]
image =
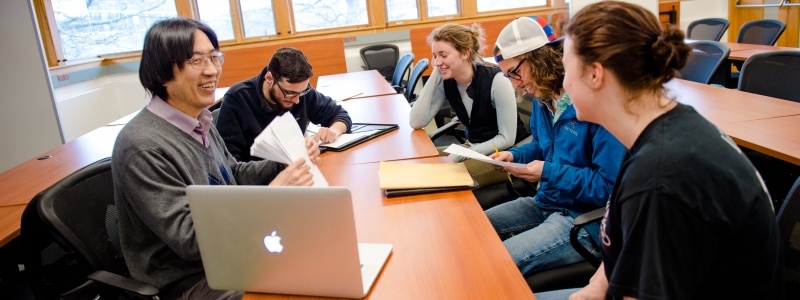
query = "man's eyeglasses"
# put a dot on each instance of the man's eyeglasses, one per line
(512, 74)
(200, 61)
(292, 94)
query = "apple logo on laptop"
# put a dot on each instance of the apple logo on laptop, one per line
(273, 242)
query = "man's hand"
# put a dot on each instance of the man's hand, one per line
(295, 174)
(327, 135)
(532, 173)
(313, 149)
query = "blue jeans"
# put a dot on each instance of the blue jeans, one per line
(537, 239)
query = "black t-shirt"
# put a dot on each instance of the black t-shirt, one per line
(690, 218)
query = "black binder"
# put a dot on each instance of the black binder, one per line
(362, 127)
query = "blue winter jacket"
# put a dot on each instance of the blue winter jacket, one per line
(581, 160)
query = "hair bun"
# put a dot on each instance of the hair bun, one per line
(670, 52)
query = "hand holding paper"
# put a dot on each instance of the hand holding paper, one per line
(468, 153)
(283, 142)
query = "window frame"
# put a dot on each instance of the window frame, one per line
(284, 26)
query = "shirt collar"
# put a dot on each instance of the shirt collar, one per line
(196, 128)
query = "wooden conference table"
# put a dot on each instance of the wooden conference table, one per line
(761, 123)
(776, 137)
(24, 181)
(743, 55)
(444, 246)
(360, 84)
(405, 142)
(722, 106)
(741, 51)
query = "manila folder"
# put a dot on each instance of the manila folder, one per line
(395, 175)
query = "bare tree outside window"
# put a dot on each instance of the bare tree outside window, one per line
(323, 14)
(258, 18)
(440, 8)
(217, 14)
(490, 5)
(398, 10)
(90, 28)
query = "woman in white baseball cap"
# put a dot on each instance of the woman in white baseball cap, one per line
(574, 162)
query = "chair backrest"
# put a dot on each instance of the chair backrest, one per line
(772, 74)
(704, 60)
(761, 32)
(710, 29)
(416, 75)
(381, 57)
(403, 65)
(789, 225)
(70, 230)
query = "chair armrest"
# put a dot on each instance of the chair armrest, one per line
(125, 283)
(579, 223)
(398, 88)
(444, 129)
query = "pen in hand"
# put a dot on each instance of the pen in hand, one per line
(508, 175)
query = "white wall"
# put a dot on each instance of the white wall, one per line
(28, 121)
(85, 106)
(652, 5)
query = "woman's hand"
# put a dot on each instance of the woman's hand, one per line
(532, 173)
(502, 156)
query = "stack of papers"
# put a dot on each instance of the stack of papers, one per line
(283, 142)
(408, 179)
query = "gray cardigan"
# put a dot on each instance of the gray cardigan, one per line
(152, 163)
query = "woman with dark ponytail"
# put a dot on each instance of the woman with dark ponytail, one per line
(688, 217)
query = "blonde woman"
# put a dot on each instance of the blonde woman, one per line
(482, 98)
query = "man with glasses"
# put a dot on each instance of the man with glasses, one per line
(169, 145)
(250, 105)
(575, 163)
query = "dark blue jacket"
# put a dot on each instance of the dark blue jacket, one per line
(245, 113)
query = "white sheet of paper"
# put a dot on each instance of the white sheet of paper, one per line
(469, 153)
(283, 142)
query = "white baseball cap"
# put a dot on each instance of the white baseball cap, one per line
(523, 35)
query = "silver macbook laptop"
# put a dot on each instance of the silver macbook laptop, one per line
(284, 240)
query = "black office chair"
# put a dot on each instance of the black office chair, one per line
(215, 111)
(704, 61)
(416, 76)
(710, 29)
(71, 240)
(381, 57)
(788, 222)
(759, 32)
(403, 66)
(773, 74)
